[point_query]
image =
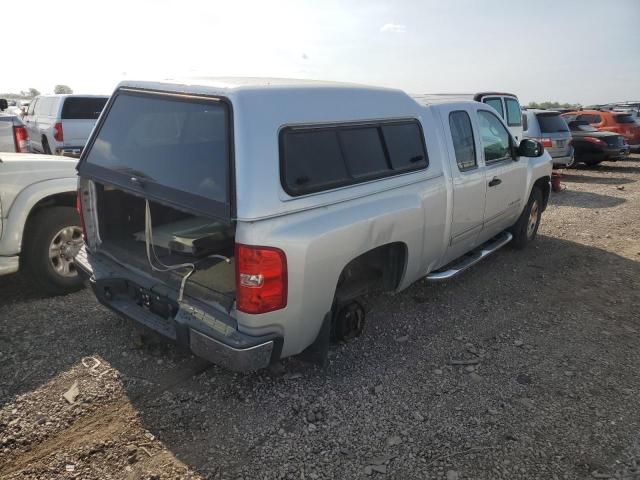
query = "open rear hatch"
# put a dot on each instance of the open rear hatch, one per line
(160, 167)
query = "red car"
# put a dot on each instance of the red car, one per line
(621, 123)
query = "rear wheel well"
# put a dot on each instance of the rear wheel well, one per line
(378, 270)
(543, 183)
(64, 199)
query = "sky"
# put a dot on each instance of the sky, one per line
(576, 51)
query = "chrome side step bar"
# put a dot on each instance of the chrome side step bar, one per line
(471, 258)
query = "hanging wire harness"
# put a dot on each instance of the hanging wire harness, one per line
(161, 267)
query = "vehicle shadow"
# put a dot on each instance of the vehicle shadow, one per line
(617, 168)
(16, 288)
(579, 199)
(216, 421)
(567, 177)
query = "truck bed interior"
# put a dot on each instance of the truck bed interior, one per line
(178, 237)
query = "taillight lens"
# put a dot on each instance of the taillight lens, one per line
(58, 134)
(80, 214)
(546, 142)
(594, 140)
(21, 139)
(261, 279)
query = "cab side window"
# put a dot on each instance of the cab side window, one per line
(463, 141)
(495, 138)
(32, 106)
(496, 104)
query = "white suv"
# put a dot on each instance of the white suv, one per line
(61, 124)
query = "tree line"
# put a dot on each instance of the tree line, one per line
(551, 105)
(34, 92)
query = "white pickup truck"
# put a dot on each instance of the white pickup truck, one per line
(243, 218)
(61, 124)
(39, 227)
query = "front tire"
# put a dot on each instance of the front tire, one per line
(53, 238)
(526, 228)
(593, 163)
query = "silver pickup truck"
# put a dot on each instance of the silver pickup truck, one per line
(243, 218)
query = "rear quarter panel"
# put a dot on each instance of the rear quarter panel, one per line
(320, 242)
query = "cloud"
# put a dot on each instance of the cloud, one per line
(393, 28)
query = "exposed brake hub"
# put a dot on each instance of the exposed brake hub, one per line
(348, 322)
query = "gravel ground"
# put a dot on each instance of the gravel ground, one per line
(550, 389)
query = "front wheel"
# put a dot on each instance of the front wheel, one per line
(593, 163)
(52, 241)
(526, 228)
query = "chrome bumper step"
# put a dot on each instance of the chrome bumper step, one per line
(470, 259)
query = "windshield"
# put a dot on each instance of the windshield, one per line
(582, 127)
(625, 118)
(83, 108)
(551, 123)
(159, 144)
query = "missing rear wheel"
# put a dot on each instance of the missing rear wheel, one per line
(348, 322)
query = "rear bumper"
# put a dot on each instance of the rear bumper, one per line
(9, 265)
(73, 152)
(617, 152)
(208, 333)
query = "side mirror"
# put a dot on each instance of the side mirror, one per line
(530, 148)
(3, 104)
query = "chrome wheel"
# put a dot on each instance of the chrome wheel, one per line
(63, 248)
(533, 220)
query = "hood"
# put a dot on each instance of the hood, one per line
(35, 162)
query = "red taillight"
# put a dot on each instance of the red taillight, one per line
(594, 140)
(80, 214)
(21, 139)
(58, 134)
(261, 279)
(546, 142)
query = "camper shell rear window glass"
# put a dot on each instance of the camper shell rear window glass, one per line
(317, 158)
(82, 108)
(171, 148)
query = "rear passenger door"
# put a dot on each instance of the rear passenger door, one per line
(468, 178)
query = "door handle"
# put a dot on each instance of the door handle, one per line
(495, 181)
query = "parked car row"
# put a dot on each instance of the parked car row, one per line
(179, 225)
